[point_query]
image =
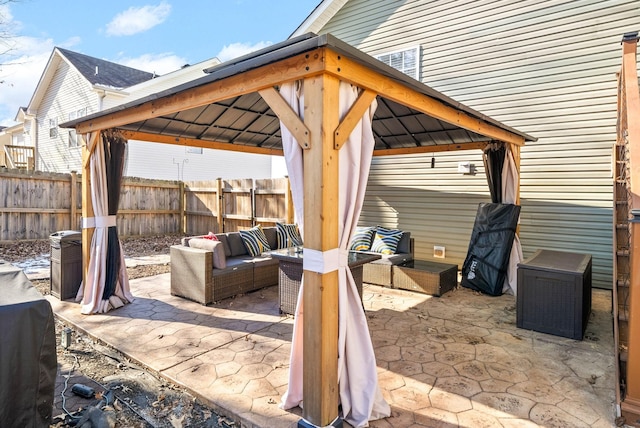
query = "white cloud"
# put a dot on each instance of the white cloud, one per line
(152, 63)
(19, 75)
(235, 50)
(138, 19)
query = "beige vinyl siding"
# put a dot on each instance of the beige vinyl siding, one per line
(547, 68)
(68, 91)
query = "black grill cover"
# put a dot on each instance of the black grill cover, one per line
(485, 266)
(28, 360)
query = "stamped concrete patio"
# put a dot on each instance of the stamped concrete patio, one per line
(454, 361)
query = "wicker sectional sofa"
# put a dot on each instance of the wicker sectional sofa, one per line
(379, 272)
(194, 276)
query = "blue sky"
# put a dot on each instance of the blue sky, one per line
(153, 35)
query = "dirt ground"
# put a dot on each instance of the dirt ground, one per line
(140, 399)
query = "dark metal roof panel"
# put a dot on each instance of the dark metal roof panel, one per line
(247, 119)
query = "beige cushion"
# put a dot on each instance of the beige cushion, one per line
(219, 258)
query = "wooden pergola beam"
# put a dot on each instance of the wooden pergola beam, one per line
(193, 142)
(431, 149)
(351, 71)
(294, 68)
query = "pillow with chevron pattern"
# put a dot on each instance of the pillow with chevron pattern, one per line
(361, 239)
(288, 235)
(386, 240)
(255, 241)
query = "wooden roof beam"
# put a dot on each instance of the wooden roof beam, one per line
(294, 68)
(192, 142)
(431, 149)
(351, 71)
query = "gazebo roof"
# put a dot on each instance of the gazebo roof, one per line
(226, 109)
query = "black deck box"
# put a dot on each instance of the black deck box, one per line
(554, 293)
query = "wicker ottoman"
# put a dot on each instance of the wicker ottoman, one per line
(426, 277)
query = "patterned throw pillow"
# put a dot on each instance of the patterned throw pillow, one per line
(386, 240)
(361, 239)
(288, 235)
(255, 241)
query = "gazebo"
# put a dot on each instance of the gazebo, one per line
(327, 107)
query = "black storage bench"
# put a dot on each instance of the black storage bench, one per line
(554, 293)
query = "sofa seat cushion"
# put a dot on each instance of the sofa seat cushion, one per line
(235, 265)
(240, 261)
(265, 261)
(393, 259)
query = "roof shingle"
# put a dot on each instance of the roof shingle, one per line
(101, 72)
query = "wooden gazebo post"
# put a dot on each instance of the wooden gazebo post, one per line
(87, 204)
(320, 356)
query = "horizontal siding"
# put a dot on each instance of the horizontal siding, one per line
(547, 68)
(67, 92)
(169, 162)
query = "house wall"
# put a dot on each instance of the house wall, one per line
(68, 92)
(544, 68)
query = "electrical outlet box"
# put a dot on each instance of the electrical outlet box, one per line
(438, 251)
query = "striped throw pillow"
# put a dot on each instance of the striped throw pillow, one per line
(386, 240)
(288, 235)
(361, 239)
(255, 241)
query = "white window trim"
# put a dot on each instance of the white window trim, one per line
(73, 144)
(53, 128)
(405, 49)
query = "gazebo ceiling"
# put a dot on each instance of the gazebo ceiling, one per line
(244, 121)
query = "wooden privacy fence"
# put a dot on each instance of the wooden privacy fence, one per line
(35, 204)
(236, 204)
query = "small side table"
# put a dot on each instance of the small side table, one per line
(554, 293)
(426, 277)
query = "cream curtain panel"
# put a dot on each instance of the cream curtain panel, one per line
(91, 294)
(360, 395)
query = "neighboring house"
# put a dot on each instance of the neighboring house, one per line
(544, 68)
(16, 150)
(75, 84)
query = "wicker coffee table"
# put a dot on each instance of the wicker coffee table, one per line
(426, 277)
(290, 274)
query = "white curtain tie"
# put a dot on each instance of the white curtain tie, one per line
(324, 261)
(95, 222)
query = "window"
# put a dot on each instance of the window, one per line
(53, 128)
(405, 61)
(77, 113)
(196, 150)
(73, 138)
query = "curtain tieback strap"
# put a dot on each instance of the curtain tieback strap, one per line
(94, 222)
(325, 261)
